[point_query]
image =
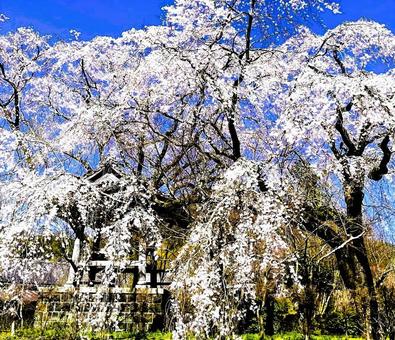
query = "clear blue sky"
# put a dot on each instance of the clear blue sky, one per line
(112, 17)
(90, 17)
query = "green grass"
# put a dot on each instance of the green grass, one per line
(297, 336)
(65, 333)
(159, 336)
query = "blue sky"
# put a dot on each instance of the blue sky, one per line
(90, 17)
(382, 11)
(112, 17)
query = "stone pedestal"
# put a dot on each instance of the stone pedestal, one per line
(139, 309)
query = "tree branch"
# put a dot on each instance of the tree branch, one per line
(378, 172)
(344, 133)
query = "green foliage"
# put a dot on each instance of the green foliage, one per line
(285, 314)
(341, 323)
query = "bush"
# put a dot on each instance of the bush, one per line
(338, 323)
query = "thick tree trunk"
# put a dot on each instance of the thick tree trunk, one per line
(308, 305)
(269, 324)
(354, 197)
(363, 260)
(314, 223)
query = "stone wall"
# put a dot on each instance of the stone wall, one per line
(139, 309)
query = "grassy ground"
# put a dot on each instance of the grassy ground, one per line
(297, 336)
(59, 334)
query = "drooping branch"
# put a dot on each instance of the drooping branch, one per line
(352, 238)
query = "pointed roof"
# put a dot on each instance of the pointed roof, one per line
(107, 171)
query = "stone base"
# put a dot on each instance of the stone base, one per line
(139, 309)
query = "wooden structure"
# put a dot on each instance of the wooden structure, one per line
(143, 271)
(137, 293)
